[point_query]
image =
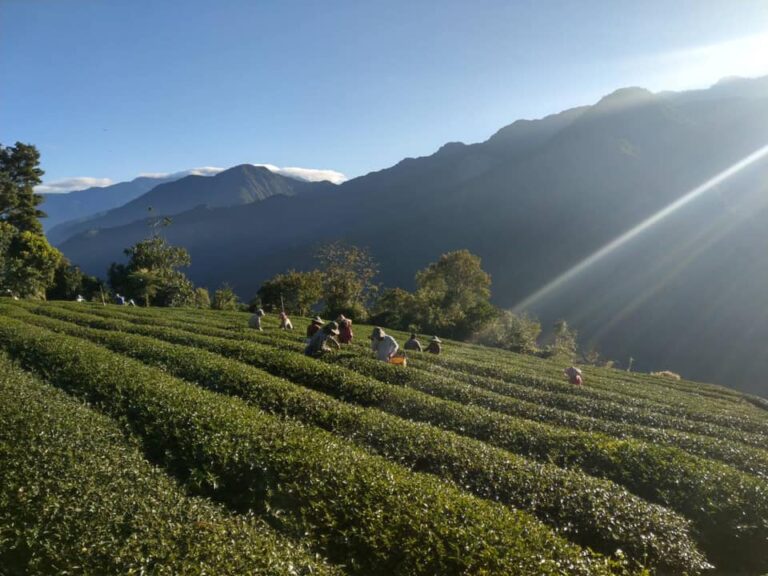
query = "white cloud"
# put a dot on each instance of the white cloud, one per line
(308, 174)
(70, 184)
(201, 171)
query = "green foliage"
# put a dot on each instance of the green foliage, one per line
(374, 516)
(225, 298)
(468, 416)
(27, 261)
(453, 295)
(558, 497)
(660, 474)
(30, 265)
(511, 332)
(299, 292)
(69, 282)
(202, 298)
(397, 308)
(19, 173)
(76, 497)
(563, 343)
(151, 274)
(348, 273)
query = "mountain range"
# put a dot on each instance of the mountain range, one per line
(80, 204)
(534, 200)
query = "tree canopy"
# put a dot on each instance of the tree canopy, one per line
(297, 291)
(152, 273)
(453, 295)
(348, 273)
(27, 261)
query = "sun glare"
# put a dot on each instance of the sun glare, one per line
(701, 66)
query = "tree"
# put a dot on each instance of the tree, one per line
(297, 291)
(19, 173)
(225, 298)
(453, 295)
(202, 298)
(348, 273)
(30, 265)
(396, 308)
(511, 332)
(563, 341)
(27, 261)
(152, 274)
(69, 282)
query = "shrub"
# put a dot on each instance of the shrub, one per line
(361, 510)
(589, 511)
(76, 497)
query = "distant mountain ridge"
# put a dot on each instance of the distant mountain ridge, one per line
(242, 184)
(533, 200)
(80, 204)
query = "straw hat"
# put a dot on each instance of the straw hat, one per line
(436, 339)
(332, 328)
(317, 320)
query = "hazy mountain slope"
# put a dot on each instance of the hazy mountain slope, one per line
(535, 199)
(243, 184)
(82, 204)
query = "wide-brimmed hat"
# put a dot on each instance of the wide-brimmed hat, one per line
(377, 333)
(436, 339)
(332, 327)
(317, 320)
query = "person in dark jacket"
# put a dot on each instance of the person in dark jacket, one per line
(324, 340)
(314, 326)
(435, 345)
(413, 344)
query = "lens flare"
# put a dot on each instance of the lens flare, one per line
(628, 236)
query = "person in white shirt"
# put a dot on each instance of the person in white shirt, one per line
(383, 345)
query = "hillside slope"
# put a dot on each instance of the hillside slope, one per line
(535, 199)
(479, 450)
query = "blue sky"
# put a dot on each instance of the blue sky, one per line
(108, 89)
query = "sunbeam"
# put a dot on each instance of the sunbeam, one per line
(639, 229)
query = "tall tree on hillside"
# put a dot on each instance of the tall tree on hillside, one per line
(348, 273)
(453, 295)
(27, 262)
(19, 173)
(152, 273)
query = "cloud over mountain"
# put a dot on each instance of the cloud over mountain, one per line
(70, 184)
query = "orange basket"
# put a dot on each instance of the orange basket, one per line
(398, 360)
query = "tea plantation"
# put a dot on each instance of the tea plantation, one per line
(176, 441)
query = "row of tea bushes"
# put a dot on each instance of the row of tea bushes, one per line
(591, 512)
(690, 416)
(77, 498)
(728, 508)
(360, 510)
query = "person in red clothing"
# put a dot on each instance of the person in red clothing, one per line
(345, 329)
(574, 375)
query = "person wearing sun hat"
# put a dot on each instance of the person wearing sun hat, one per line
(314, 326)
(383, 345)
(324, 340)
(413, 344)
(435, 345)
